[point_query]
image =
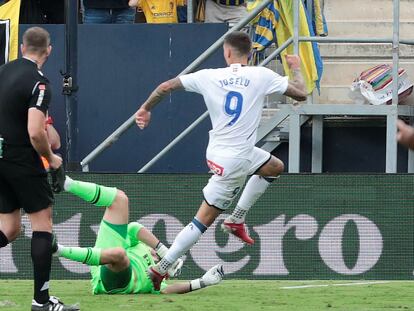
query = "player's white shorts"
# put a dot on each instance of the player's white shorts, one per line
(230, 175)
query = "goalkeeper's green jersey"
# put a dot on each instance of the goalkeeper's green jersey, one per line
(140, 258)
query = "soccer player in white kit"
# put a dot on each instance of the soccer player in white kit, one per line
(234, 97)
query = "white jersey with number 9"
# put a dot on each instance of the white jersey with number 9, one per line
(234, 98)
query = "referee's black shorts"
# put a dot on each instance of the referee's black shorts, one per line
(23, 186)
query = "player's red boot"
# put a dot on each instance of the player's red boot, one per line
(239, 230)
(156, 278)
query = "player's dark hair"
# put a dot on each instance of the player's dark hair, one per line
(240, 42)
(36, 40)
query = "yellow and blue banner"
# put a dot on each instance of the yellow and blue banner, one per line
(275, 23)
(9, 30)
(317, 17)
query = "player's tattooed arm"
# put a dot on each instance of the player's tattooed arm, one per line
(163, 89)
(143, 115)
(296, 88)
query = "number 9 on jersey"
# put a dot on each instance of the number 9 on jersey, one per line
(233, 106)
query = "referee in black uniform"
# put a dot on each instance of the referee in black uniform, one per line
(24, 102)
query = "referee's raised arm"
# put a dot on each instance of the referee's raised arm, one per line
(24, 102)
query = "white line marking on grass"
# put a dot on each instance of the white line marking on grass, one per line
(337, 284)
(7, 303)
(304, 286)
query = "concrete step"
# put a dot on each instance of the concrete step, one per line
(366, 9)
(355, 51)
(343, 72)
(278, 134)
(369, 28)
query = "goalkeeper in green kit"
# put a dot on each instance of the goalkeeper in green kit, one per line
(124, 251)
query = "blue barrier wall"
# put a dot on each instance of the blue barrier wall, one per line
(119, 65)
(111, 91)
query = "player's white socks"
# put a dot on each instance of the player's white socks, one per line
(68, 183)
(255, 187)
(182, 243)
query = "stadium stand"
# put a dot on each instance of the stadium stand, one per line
(373, 18)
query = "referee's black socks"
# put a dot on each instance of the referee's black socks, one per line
(3, 239)
(42, 261)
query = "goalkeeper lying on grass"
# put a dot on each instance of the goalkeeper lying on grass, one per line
(124, 251)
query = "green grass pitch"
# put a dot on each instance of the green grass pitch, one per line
(229, 295)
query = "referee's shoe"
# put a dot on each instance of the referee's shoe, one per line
(54, 304)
